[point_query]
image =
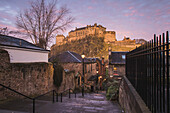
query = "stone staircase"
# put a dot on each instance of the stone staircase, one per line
(90, 103)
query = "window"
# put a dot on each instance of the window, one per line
(123, 57)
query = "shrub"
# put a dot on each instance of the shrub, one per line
(112, 91)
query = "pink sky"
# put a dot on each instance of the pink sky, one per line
(132, 18)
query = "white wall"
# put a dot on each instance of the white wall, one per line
(26, 55)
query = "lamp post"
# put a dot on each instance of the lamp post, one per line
(83, 56)
(97, 77)
(97, 81)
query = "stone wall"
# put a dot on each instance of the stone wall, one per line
(129, 99)
(69, 80)
(26, 78)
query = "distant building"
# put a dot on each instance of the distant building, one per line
(117, 63)
(21, 51)
(89, 30)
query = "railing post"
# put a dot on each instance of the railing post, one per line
(69, 93)
(61, 97)
(53, 96)
(33, 105)
(167, 66)
(56, 97)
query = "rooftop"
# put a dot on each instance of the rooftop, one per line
(70, 57)
(17, 42)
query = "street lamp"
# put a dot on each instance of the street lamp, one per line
(83, 56)
(97, 81)
(97, 77)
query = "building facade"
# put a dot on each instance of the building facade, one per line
(117, 63)
(89, 30)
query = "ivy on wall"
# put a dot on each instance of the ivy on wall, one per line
(58, 75)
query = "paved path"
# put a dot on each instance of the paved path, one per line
(91, 103)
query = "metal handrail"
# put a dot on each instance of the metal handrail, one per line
(42, 94)
(33, 99)
(61, 94)
(16, 91)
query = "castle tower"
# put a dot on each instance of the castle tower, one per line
(110, 36)
(59, 39)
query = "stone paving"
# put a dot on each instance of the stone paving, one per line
(91, 103)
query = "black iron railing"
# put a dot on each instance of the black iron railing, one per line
(30, 98)
(69, 93)
(54, 94)
(147, 68)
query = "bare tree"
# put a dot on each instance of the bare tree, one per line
(42, 21)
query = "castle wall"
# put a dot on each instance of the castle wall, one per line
(110, 36)
(80, 33)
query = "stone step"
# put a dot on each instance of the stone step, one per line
(11, 111)
(90, 103)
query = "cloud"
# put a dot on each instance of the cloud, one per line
(6, 21)
(130, 13)
(7, 9)
(90, 7)
(131, 7)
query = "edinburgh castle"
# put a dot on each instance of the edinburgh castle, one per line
(89, 30)
(94, 40)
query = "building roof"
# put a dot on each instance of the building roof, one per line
(19, 43)
(117, 57)
(71, 57)
(68, 57)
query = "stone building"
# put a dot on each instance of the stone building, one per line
(72, 75)
(101, 68)
(117, 63)
(89, 30)
(23, 67)
(60, 39)
(25, 78)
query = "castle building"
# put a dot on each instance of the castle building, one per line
(60, 39)
(89, 30)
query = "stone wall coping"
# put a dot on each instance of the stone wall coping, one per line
(139, 101)
(29, 63)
